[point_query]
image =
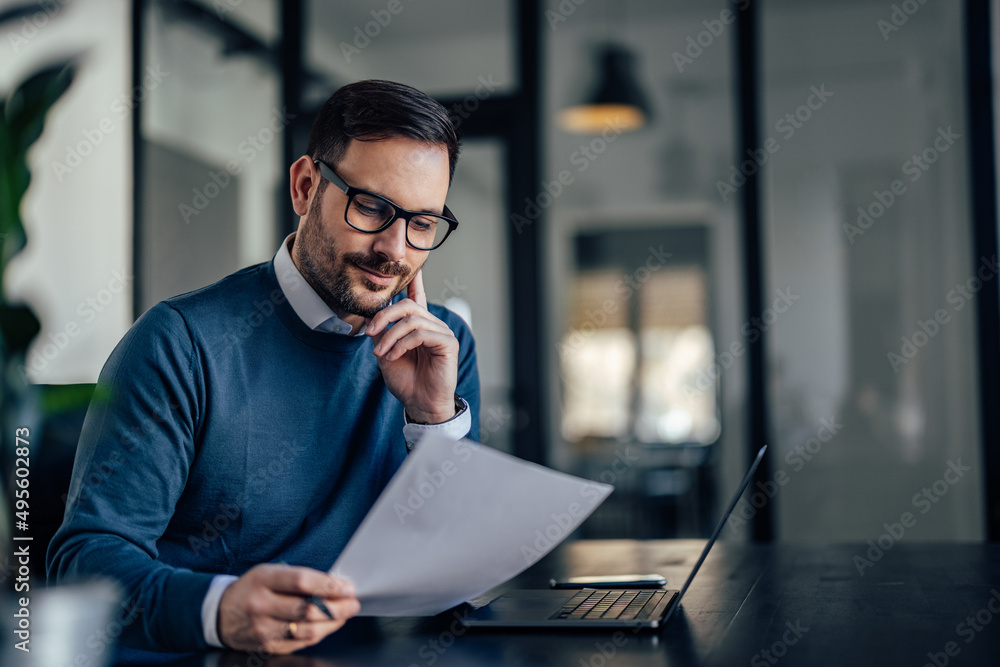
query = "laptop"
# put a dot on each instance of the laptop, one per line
(592, 608)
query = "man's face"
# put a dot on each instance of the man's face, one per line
(357, 273)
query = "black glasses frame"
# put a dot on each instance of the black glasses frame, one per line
(398, 211)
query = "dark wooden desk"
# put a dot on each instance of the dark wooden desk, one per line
(804, 605)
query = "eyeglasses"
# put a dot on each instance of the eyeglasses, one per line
(371, 213)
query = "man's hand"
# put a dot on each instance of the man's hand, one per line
(264, 609)
(418, 356)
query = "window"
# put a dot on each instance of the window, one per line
(636, 359)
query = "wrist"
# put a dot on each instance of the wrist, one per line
(213, 609)
(437, 416)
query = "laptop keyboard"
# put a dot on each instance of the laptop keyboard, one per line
(622, 604)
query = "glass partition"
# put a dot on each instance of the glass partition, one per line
(642, 267)
(872, 368)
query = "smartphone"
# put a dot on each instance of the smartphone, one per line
(616, 581)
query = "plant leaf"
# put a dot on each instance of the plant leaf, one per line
(22, 118)
(18, 326)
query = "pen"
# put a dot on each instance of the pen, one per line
(314, 600)
(318, 601)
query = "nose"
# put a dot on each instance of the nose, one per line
(390, 243)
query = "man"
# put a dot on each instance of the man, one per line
(254, 422)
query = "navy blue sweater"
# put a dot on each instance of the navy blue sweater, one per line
(233, 435)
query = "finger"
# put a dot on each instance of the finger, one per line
(385, 340)
(288, 608)
(283, 637)
(415, 290)
(341, 609)
(306, 634)
(296, 608)
(304, 581)
(396, 312)
(432, 340)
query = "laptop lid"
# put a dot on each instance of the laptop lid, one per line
(718, 530)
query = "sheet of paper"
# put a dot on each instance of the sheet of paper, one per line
(457, 519)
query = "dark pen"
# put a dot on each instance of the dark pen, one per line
(318, 601)
(314, 600)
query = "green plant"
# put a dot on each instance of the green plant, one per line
(22, 119)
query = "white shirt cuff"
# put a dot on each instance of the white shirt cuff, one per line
(210, 608)
(455, 428)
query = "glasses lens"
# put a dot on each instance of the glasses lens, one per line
(426, 231)
(368, 213)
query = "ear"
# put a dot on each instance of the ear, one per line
(304, 179)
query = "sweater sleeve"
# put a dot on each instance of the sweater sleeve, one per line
(136, 449)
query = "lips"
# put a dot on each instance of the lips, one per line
(375, 277)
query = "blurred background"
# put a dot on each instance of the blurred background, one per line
(689, 228)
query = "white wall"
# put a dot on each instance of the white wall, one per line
(75, 271)
(221, 110)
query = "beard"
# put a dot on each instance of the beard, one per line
(326, 271)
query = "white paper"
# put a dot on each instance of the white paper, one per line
(457, 519)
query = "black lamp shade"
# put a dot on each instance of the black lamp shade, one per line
(617, 101)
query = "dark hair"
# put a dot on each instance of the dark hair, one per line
(373, 110)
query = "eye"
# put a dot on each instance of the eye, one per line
(423, 224)
(371, 207)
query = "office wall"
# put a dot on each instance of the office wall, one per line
(76, 270)
(219, 111)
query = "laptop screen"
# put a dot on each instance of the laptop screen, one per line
(718, 529)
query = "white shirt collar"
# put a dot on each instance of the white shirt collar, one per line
(303, 299)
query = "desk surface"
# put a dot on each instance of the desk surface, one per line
(750, 604)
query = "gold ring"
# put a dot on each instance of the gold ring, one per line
(292, 628)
